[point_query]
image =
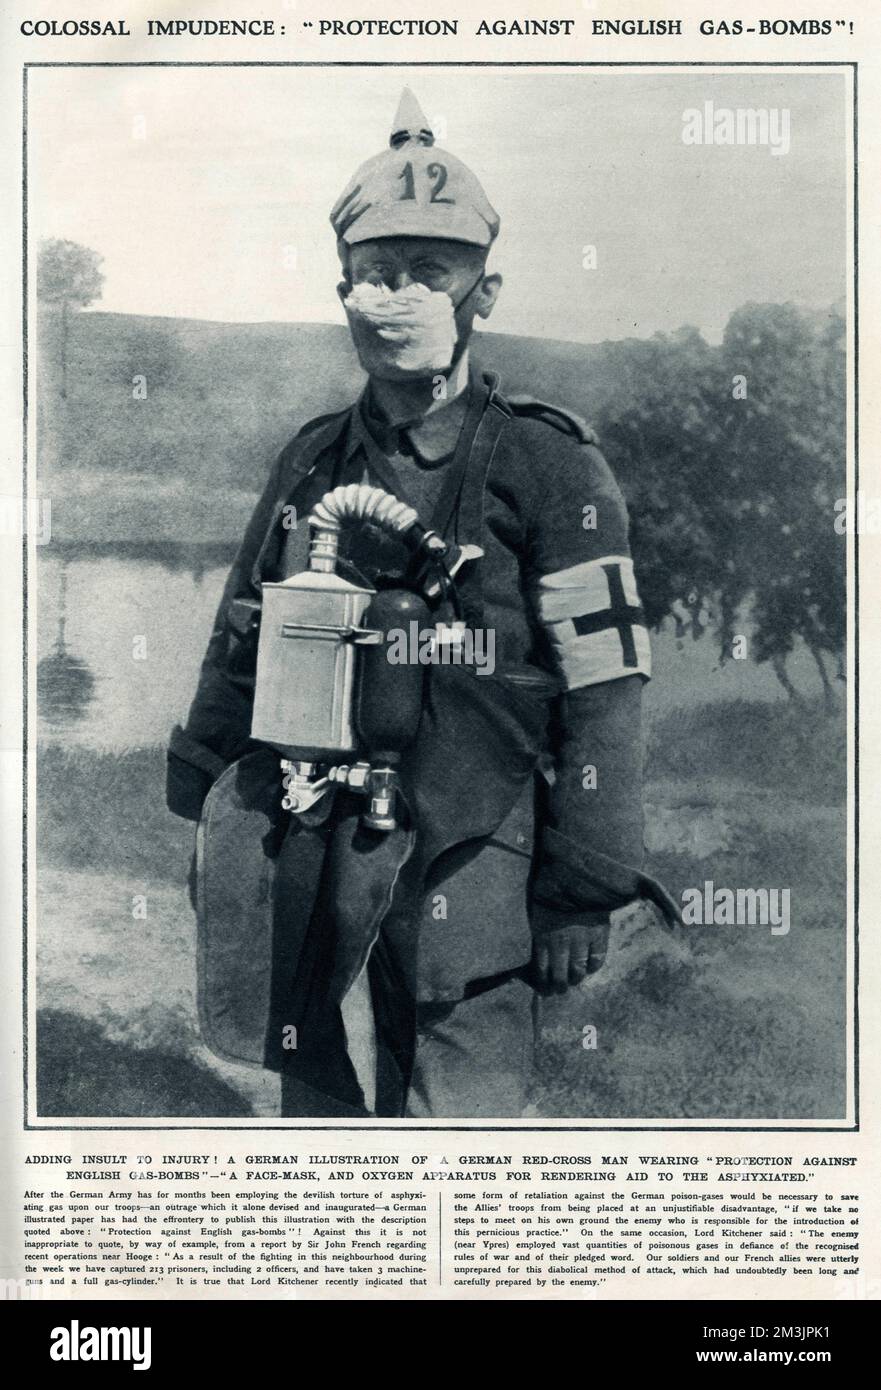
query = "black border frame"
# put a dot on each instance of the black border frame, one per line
(400, 1128)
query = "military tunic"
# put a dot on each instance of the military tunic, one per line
(508, 833)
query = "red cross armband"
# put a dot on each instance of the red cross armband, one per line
(594, 621)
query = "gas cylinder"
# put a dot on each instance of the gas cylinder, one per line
(389, 701)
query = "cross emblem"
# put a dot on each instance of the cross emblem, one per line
(620, 614)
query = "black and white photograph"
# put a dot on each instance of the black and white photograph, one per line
(442, 609)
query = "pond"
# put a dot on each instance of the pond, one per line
(122, 627)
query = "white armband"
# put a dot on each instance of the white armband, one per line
(595, 622)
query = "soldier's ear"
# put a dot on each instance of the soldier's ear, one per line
(344, 288)
(487, 294)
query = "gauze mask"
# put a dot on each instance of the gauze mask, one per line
(403, 334)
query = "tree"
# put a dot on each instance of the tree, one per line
(731, 459)
(664, 443)
(67, 275)
(787, 442)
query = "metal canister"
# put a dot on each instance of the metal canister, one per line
(303, 700)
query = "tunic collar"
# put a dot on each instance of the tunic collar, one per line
(429, 438)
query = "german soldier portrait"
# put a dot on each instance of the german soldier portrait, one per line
(414, 753)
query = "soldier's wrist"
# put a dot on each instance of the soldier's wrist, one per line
(545, 919)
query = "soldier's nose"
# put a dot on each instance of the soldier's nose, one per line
(403, 278)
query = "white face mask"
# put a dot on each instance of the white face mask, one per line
(402, 335)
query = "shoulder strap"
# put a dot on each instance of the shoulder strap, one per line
(298, 460)
(444, 518)
(556, 415)
(313, 439)
(472, 496)
(319, 420)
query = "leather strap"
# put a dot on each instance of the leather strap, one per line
(445, 508)
(467, 492)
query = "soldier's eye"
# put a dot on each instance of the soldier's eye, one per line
(430, 273)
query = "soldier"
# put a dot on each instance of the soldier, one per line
(396, 974)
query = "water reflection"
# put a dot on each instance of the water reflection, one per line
(65, 684)
(122, 628)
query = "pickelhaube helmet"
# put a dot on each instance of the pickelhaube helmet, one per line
(414, 189)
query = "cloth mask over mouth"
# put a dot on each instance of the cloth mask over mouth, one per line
(406, 334)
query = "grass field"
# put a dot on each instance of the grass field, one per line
(718, 1021)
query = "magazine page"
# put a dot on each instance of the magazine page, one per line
(439, 714)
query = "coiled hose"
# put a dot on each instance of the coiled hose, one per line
(359, 502)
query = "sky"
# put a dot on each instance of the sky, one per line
(208, 190)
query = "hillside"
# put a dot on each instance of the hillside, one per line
(185, 462)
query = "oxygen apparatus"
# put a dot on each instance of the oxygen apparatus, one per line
(327, 697)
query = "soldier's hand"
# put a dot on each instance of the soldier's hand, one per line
(565, 955)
